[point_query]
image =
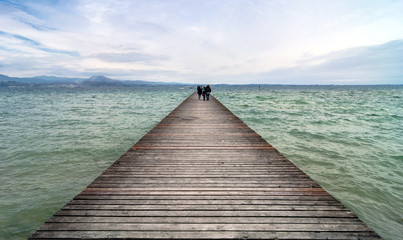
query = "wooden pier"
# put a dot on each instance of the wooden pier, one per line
(202, 173)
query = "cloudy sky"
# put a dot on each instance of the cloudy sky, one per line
(203, 41)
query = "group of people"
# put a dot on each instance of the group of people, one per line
(204, 91)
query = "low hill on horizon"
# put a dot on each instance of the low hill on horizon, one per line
(6, 81)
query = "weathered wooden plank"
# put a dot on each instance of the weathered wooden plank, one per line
(205, 191)
(205, 207)
(224, 175)
(220, 165)
(200, 147)
(324, 227)
(209, 220)
(221, 152)
(189, 159)
(138, 162)
(317, 198)
(202, 126)
(225, 155)
(201, 185)
(205, 202)
(207, 166)
(205, 213)
(217, 169)
(194, 172)
(201, 193)
(202, 235)
(201, 180)
(151, 162)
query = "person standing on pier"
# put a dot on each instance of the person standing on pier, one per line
(208, 91)
(199, 91)
(204, 93)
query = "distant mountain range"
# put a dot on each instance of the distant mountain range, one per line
(94, 81)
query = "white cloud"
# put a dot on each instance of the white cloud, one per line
(380, 64)
(182, 40)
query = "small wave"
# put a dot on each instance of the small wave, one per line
(373, 115)
(322, 122)
(260, 98)
(301, 102)
(400, 157)
(396, 117)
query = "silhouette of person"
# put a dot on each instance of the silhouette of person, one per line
(208, 91)
(199, 91)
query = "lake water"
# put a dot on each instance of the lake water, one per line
(55, 141)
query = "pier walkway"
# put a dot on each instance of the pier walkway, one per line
(202, 173)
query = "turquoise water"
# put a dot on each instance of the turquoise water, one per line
(54, 142)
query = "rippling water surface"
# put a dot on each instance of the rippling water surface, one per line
(54, 142)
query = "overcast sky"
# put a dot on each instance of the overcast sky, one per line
(218, 41)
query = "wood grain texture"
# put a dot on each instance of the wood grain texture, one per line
(201, 173)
